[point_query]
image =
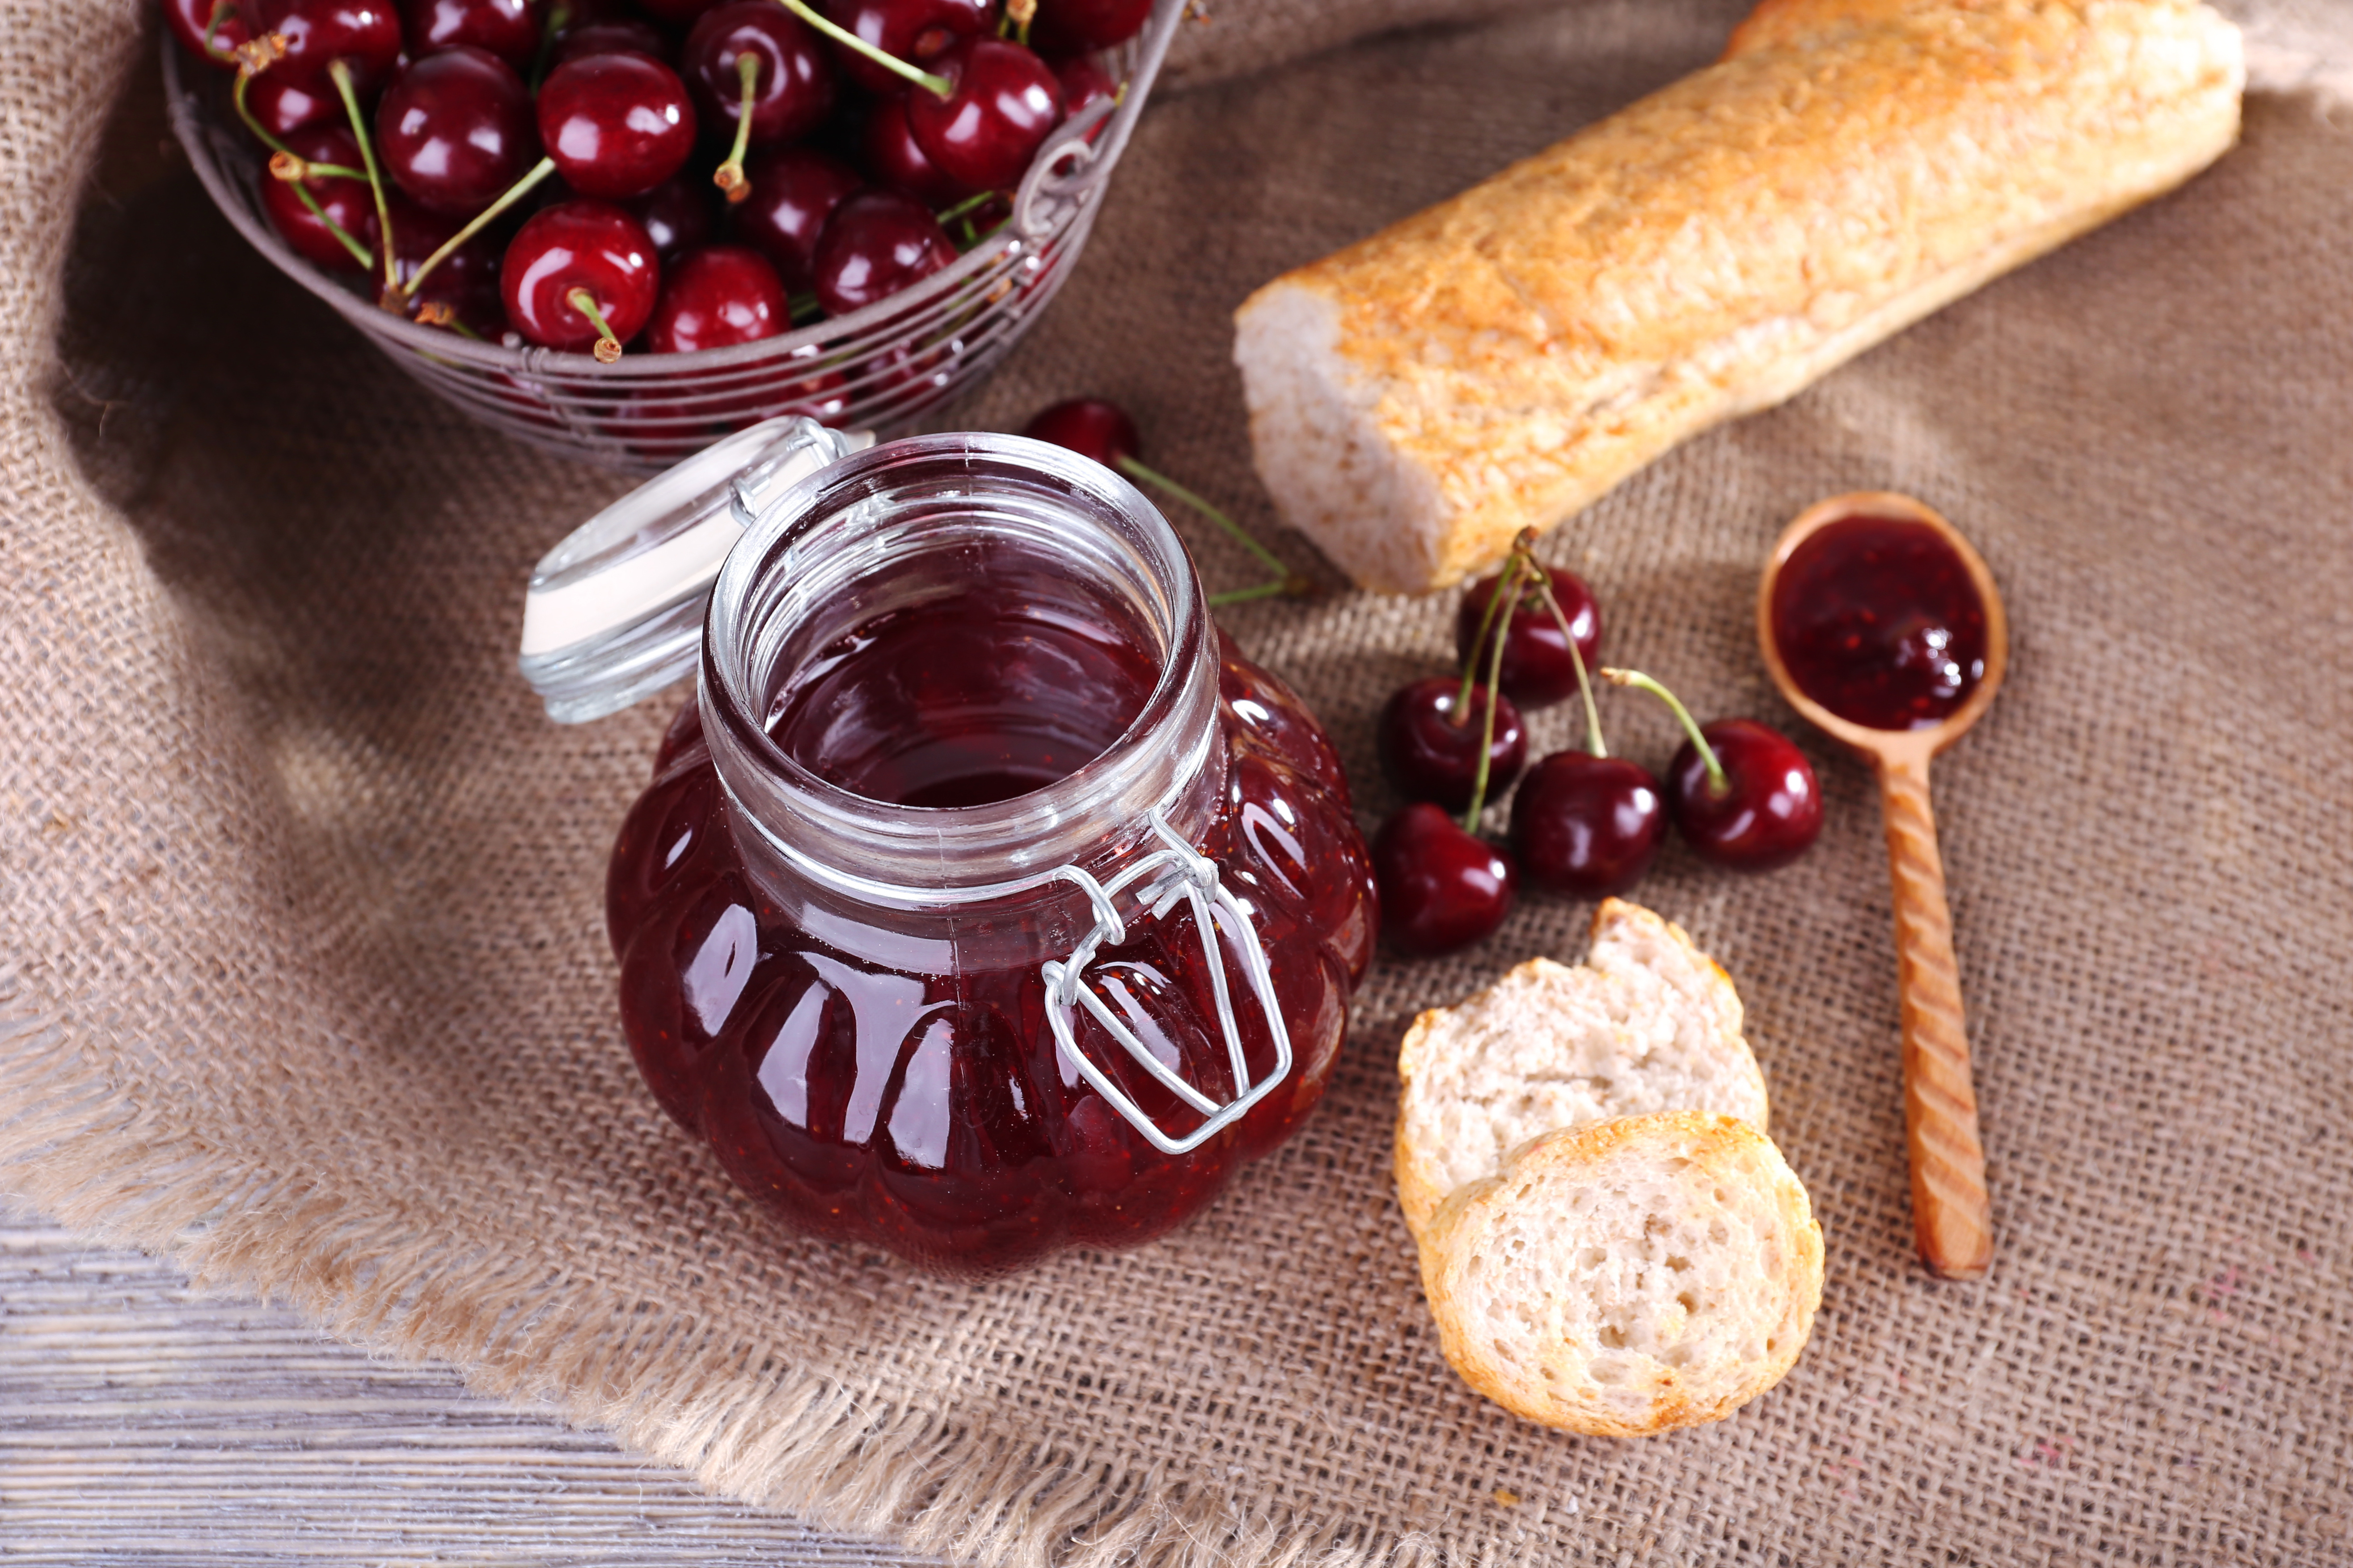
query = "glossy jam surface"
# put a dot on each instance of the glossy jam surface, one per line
(1878, 620)
(910, 1095)
(967, 700)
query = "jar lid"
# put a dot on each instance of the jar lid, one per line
(615, 613)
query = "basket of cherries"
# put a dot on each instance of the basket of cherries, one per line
(623, 228)
(1584, 824)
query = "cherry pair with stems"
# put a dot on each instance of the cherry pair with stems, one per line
(1583, 823)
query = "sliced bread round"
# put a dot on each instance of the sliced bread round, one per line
(1628, 1277)
(1648, 1023)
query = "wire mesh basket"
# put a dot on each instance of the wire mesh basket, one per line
(877, 369)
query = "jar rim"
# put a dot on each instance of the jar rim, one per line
(795, 552)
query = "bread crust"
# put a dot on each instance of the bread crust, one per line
(1501, 360)
(1707, 1158)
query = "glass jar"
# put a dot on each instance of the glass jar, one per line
(986, 900)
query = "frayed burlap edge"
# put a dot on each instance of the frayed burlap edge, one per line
(81, 1150)
(774, 1438)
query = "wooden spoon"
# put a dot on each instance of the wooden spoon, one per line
(1949, 1211)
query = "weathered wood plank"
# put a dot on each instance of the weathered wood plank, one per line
(142, 1423)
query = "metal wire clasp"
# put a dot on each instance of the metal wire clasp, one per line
(1177, 870)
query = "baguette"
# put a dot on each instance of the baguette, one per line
(1501, 360)
(1647, 1022)
(1628, 1277)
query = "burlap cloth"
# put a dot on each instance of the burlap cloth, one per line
(311, 989)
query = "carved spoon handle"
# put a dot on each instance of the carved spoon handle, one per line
(1949, 1211)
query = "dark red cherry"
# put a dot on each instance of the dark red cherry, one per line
(666, 422)
(715, 297)
(1003, 103)
(456, 128)
(915, 31)
(1442, 888)
(1431, 756)
(281, 107)
(507, 29)
(1091, 427)
(892, 158)
(348, 202)
(676, 13)
(1769, 811)
(575, 245)
(364, 34)
(1083, 82)
(795, 191)
(189, 19)
(623, 35)
(822, 395)
(663, 425)
(1587, 825)
(1537, 670)
(792, 92)
(1075, 26)
(678, 214)
(877, 243)
(617, 125)
(909, 377)
(576, 13)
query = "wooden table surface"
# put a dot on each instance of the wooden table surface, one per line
(143, 1424)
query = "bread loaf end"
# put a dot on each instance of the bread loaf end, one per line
(1321, 452)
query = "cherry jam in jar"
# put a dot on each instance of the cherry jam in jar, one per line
(951, 690)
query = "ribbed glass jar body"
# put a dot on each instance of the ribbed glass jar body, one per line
(948, 670)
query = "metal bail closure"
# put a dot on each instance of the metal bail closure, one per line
(1175, 870)
(615, 612)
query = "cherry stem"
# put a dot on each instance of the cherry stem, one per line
(971, 204)
(1576, 658)
(1717, 782)
(360, 253)
(222, 11)
(1274, 562)
(341, 75)
(1019, 15)
(294, 170)
(237, 99)
(1471, 659)
(609, 347)
(437, 313)
(480, 221)
(558, 19)
(729, 176)
(302, 169)
(1273, 590)
(1487, 727)
(801, 305)
(937, 86)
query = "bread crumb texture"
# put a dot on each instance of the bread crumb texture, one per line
(1629, 1277)
(1647, 1022)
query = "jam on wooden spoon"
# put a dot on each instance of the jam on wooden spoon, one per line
(1883, 626)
